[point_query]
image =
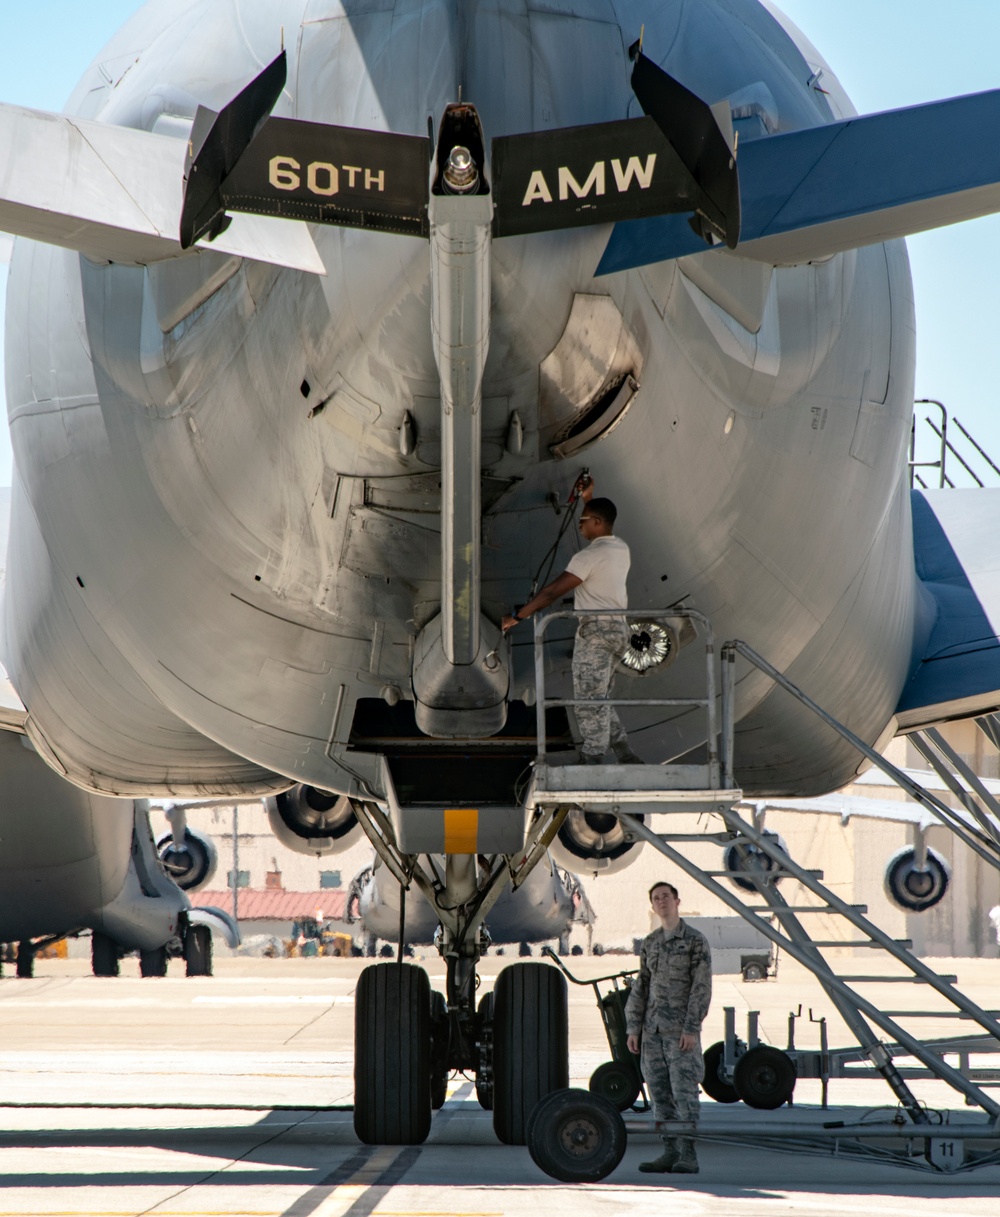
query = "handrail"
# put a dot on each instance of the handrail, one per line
(542, 623)
(934, 805)
(942, 435)
(946, 443)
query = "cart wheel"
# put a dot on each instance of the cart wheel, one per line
(618, 1082)
(576, 1136)
(765, 1077)
(714, 1085)
(754, 970)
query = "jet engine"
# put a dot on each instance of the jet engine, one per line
(313, 821)
(916, 889)
(593, 843)
(189, 858)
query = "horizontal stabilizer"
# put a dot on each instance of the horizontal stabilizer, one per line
(679, 160)
(114, 194)
(217, 142)
(957, 673)
(333, 175)
(809, 194)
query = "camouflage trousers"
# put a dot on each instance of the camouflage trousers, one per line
(598, 646)
(672, 1076)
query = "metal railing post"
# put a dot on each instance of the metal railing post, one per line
(728, 658)
(540, 624)
(711, 724)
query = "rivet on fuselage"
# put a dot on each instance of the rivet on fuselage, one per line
(731, 418)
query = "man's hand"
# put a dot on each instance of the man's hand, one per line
(583, 487)
(632, 1042)
(687, 1041)
(509, 622)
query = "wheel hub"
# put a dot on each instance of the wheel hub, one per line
(579, 1137)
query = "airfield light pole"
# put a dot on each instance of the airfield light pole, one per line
(235, 876)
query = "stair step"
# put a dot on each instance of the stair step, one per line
(905, 943)
(802, 908)
(896, 980)
(935, 1013)
(771, 874)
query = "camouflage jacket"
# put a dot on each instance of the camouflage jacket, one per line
(674, 986)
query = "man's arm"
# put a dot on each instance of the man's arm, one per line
(560, 586)
(700, 997)
(635, 1007)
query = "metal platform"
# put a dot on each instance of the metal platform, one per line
(684, 787)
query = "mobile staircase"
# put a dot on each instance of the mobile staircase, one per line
(890, 1042)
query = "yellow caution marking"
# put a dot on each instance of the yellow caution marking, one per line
(461, 830)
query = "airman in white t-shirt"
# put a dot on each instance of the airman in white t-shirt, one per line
(596, 576)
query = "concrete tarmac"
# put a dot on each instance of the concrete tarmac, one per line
(280, 1032)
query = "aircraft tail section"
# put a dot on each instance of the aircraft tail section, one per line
(956, 673)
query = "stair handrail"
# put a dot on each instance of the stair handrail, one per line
(939, 809)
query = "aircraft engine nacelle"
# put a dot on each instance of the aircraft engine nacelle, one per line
(593, 843)
(193, 863)
(913, 888)
(313, 821)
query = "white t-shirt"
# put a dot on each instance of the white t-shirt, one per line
(602, 568)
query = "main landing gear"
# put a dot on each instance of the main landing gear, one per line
(407, 1041)
(408, 1038)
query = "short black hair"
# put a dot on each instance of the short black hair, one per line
(604, 509)
(661, 883)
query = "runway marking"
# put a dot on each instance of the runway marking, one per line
(357, 1186)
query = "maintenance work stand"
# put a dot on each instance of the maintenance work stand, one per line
(578, 1135)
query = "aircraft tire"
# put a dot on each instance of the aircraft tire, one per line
(198, 950)
(153, 963)
(576, 1136)
(713, 1084)
(484, 1074)
(104, 956)
(392, 1055)
(764, 1077)
(530, 1044)
(439, 1050)
(25, 960)
(618, 1082)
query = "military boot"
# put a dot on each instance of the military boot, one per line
(665, 1162)
(686, 1162)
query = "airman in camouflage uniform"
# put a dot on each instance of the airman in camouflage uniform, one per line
(668, 1002)
(599, 642)
(596, 576)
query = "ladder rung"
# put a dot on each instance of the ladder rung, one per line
(802, 908)
(905, 943)
(897, 980)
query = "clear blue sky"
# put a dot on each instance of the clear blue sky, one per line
(887, 53)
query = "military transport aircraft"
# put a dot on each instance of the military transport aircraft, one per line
(318, 309)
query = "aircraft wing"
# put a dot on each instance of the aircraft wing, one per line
(115, 194)
(808, 194)
(958, 562)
